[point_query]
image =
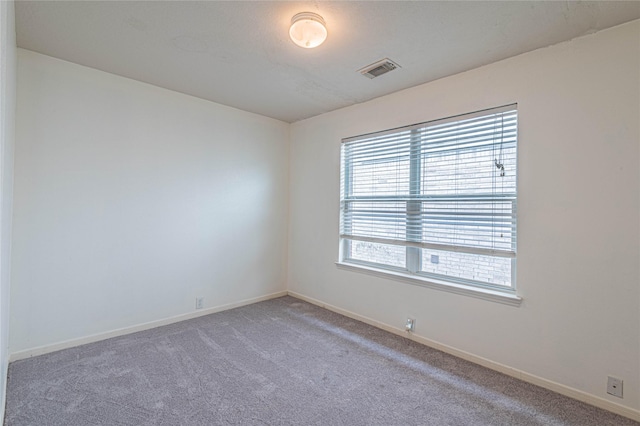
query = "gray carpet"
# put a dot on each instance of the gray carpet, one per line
(280, 362)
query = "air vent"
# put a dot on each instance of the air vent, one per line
(378, 68)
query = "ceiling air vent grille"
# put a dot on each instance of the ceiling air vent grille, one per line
(378, 68)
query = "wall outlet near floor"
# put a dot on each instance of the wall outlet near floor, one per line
(614, 386)
(410, 324)
(199, 302)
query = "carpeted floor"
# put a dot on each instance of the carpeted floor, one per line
(280, 362)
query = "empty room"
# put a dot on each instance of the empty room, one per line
(320, 213)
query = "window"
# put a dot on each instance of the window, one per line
(436, 200)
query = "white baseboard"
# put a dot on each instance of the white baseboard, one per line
(4, 369)
(41, 350)
(513, 372)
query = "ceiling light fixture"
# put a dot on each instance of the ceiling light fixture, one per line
(308, 30)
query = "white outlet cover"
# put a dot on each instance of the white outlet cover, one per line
(614, 386)
(410, 325)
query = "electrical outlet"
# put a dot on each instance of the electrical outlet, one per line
(614, 386)
(199, 302)
(410, 325)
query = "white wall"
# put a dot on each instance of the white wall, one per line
(578, 220)
(131, 201)
(7, 133)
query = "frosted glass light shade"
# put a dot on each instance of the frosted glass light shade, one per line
(308, 30)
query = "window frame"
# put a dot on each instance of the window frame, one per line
(412, 270)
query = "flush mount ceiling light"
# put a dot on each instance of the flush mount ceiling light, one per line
(308, 30)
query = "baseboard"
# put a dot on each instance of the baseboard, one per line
(513, 372)
(4, 371)
(41, 350)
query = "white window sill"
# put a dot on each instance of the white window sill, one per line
(480, 293)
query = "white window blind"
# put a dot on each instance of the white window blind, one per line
(447, 185)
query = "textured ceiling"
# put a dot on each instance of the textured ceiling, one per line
(239, 53)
